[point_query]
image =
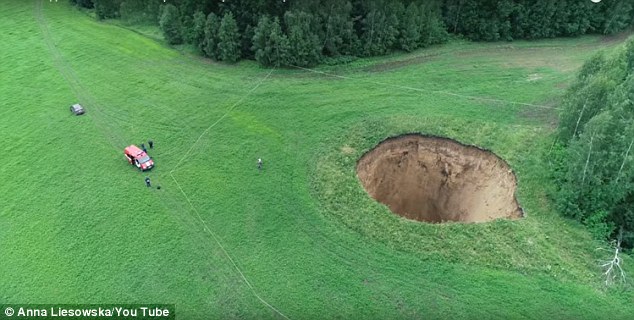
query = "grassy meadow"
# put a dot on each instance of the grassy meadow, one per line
(301, 239)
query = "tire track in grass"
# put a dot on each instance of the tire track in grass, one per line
(425, 90)
(72, 80)
(83, 95)
(77, 87)
(199, 216)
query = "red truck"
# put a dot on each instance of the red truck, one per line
(138, 157)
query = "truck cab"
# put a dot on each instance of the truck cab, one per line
(138, 158)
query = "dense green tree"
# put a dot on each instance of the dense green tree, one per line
(129, 10)
(371, 27)
(198, 32)
(187, 8)
(380, 29)
(410, 27)
(261, 35)
(629, 56)
(577, 20)
(210, 42)
(596, 170)
(541, 17)
(588, 95)
(270, 44)
(187, 28)
(279, 44)
(106, 9)
(452, 11)
(229, 39)
(519, 19)
(617, 16)
(245, 42)
(152, 11)
(83, 3)
(432, 28)
(305, 47)
(339, 34)
(170, 24)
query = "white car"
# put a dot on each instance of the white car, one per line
(77, 109)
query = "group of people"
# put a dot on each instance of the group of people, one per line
(150, 143)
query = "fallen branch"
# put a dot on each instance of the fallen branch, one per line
(613, 270)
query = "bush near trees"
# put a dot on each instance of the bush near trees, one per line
(312, 31)
(595, 162)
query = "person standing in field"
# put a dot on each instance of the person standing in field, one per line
(260, 164)
(147, 182)
(151, 144)
(143, 147)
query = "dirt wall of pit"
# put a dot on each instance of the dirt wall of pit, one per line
(437, 179)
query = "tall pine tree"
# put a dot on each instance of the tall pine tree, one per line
(210, 44)
(410, 28)
(229, 39)
(198, 33)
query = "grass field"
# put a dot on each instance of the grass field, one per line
(301, 239)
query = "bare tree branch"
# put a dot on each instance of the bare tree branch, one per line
(580, 115)
(583, 179)
(618, 175)
(613, 270)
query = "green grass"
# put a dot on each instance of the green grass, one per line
(77, 224)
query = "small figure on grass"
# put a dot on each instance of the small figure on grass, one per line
(260, 164)
(143, 147)
(147, 182)
(151, 144)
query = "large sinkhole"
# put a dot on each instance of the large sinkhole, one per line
(436, 179)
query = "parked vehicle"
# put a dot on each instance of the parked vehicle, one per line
(77, 109)
(138, 158)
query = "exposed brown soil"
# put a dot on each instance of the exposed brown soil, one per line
(397, 64)
(436, 179)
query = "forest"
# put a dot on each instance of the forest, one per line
(594, 158)
(309, 32)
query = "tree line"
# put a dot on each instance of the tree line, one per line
(492, 20)
(595, 149)
(308, 32)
